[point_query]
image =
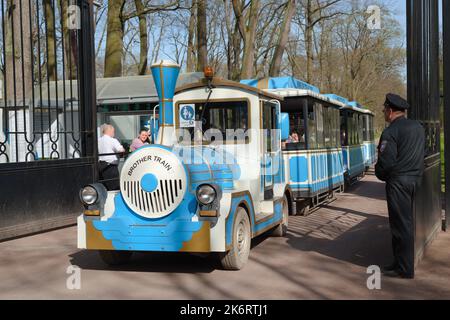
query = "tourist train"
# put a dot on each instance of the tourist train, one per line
(225, 168)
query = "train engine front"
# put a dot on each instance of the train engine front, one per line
(159, 206)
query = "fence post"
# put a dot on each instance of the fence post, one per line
(423, 95)
(446, 56)
(88, 99)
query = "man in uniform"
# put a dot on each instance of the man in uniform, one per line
(400, 165)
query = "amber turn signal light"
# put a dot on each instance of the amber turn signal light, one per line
(208, 213)
(209, 72)
(92, 213)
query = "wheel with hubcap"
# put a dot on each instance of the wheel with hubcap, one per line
(115, 258)
(281, 229)
(237, 257)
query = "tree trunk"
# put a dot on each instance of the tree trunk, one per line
(18, 66)
(114, 39)
(320, 52)
(70, 55)
(202, 53)
(51, 39)
(308, 41)
(143, 36)
(190, 63)
(275, 66)
(248, 32)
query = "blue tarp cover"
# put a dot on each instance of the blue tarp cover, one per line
(337, 98)
(280, 83)
(355, 104)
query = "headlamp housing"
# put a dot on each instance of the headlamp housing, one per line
(208, 197)
(93, 197)
(206, 194)
(88, 195)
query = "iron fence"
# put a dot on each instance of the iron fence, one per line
(39, 107)
(446, 56)
(424, 97)
(48, 133)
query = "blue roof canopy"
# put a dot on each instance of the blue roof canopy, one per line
(337, 98)
(355, 104)
(280, 83)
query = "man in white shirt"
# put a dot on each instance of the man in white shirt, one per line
(109, 150)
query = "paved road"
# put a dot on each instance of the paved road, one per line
(325, 256)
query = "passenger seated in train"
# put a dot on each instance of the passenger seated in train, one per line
(293, 137)
(295, 141)
(142, 140)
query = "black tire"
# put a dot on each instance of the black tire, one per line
(282, 228)
(292, 206)
(331, 195)
(237, 257)
(296, 206)
(304, 208)
(115, 258)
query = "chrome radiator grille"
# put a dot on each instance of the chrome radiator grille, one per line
(160, 200)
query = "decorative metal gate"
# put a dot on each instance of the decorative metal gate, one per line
(446, 56)
(423, 95)
(47, 128)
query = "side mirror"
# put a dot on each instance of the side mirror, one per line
(284, 126)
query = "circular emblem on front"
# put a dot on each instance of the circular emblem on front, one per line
(149, 182)
(153, 182)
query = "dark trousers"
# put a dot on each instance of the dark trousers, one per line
(400, 199)
(109, 175)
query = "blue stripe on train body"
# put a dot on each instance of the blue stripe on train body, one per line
(257, 228)
(280, 175)
(369, 153)
(130, 231)
(315, 171)
(354, 160)
(208, 165)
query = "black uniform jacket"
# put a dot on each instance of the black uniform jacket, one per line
(401, 150)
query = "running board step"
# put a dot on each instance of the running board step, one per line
(267, 208)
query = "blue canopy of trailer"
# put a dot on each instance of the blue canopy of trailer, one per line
(280, 83)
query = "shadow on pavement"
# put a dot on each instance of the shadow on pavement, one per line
(147, 262)
(357, 236)
(368, 189)
(368, 243)
(167, 262)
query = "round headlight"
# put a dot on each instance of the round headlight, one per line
(206, 194)
(89, 195)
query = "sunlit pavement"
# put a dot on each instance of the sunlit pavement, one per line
(325, 256)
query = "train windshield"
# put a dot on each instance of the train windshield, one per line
(213, 121)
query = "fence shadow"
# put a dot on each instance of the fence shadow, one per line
(369, 187)
(347, 235)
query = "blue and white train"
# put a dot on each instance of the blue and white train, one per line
(357, 138)
(324, 159)
(212, 183)
(224, 170)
